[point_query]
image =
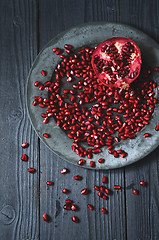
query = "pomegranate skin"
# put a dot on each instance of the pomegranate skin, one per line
(117, 62)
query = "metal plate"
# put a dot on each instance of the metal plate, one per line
(88, 35)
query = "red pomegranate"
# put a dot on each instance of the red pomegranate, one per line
(117, 62)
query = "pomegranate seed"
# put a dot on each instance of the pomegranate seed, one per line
(143, 183)
(96, 188)
(74, 207)
(67, 207)
(24, 157)
(90, 206)
(64, 171)
(104, 210)
(31, 170)
(101, 160)
(25, 145)
(107, 191)
(81, 162)
(49, 183)
(102, 188)
(43, 73)
(58, 51)
(105, 197)
(156, 69)
(65, 190)
(68, 46)
(135, 192)
(100, 194)
(147, 135)
(46, 135)
(78, 177)
(92, 164)
(105, 179)
(84, 191)
(117, 187)
(68, 201)
(75, 219)
(37, 83)
(157, 127)
(46, 217)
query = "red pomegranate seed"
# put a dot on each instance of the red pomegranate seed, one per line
(147, 135)
(102, 188)
(46, 135)
(25, 145)
(107, 191)
(105, 179)
(89, 155)
(84, 191)
(100, 194)
(37, 83)
(24, 157)
(68, 201)
(143, 183)
(90, 206)
(54, 49)
(68, 46)
(81, 162)
(58, 51)
(105, 197)
(157, 127)
(67, 207)
(31, 170)
(74, 207)
(156, 69)
(64, 171)
(135, 192)
(101, 160)
(75, 219)
(78, 177)
(65, 190)
(43, 73)
(96, 188)
(104, 210)
(117, 187)
(92, 164)
(46, 217)
(49, 183)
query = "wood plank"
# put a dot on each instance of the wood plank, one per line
(19, 214)
(56, 16)
(142, 210)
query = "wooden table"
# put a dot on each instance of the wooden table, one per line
(26, 26)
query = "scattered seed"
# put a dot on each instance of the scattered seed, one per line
(104, 211)
(90, 207)
(25, 145)
(50, 183)
(75, 219)
(135, 192)
(46, 217)
(117, 187)
(31, 170)
(64, 171)
(43, 73)
(24, 157)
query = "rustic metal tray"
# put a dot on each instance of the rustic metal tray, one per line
(89, 35)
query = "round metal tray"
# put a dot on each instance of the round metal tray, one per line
(89, 35)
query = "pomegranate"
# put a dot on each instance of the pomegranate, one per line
(117, 62)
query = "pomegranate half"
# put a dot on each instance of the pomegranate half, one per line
(117, 62)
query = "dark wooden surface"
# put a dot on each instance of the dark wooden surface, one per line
(25, 27)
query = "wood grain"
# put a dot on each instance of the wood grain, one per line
(62, 15)
(19, 189)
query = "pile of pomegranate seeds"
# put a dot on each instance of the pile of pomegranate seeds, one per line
(91, 114)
